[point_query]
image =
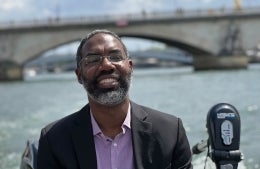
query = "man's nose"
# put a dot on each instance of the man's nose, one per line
(106, 63)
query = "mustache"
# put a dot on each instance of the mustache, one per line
(105, 73)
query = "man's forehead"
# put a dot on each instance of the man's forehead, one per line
(102, 39)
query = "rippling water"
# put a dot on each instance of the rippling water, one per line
(25, 107)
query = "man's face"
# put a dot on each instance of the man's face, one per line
(103, 74)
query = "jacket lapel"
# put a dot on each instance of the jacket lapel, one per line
(143, 142)
(83, 142)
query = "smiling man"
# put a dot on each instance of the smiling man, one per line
(111, 131)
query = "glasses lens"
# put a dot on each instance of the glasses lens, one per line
(92, 59)
(116, 57)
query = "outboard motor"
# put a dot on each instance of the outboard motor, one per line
(223, 125)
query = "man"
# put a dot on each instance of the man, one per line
(112, 132)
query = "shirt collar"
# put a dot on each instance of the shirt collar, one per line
(126, 123)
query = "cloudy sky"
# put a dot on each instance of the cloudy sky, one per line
(19, 10)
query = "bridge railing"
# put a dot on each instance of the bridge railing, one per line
(123, 19)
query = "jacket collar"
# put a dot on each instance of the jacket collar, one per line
(143, 141)
(82, 138)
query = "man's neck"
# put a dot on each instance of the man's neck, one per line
(110, 118)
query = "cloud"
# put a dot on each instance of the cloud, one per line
(207, 1)
(133, 6)
(7, 5)
(198, 1)
(47, 13)
(17, 10)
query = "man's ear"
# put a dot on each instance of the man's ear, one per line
(78, 74)
(130, 62)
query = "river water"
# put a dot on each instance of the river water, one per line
(25, 107)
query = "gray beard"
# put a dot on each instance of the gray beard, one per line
(111, 97)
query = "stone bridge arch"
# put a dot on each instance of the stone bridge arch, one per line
(171, 42)
(49, 48)
(52, 44)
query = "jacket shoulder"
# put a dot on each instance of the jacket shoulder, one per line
(65, 123)
(153, 115)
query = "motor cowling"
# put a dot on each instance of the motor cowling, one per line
(223, 125)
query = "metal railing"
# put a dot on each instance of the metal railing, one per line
(123, 19)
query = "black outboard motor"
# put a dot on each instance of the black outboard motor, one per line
(223, 125)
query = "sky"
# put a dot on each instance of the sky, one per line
(21, 10)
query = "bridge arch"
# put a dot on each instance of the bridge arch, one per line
(171, 42)
(49, 48)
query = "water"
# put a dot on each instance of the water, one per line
(25, 107)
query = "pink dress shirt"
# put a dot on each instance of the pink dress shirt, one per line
(114, 153)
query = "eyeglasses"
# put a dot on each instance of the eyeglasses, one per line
(94, 59)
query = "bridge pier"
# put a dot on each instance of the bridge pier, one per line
(10, 71)
(220, 62)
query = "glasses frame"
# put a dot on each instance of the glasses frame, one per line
(101, 58)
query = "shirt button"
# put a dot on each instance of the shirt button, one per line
(115, 146)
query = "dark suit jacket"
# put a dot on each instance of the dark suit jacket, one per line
(159, 141)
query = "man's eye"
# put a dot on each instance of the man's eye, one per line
(116, 58)
(92, 59)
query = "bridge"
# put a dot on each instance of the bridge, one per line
(215, 38)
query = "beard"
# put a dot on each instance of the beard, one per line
(111, 96)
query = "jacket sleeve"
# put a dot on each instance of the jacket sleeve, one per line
(46, 158)
(182, 155)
